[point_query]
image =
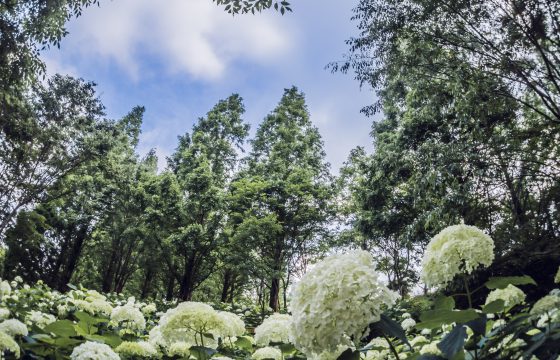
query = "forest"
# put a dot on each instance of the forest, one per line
(440, 240)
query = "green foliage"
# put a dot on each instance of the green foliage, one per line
(253, 6)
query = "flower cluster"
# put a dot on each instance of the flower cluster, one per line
(267, 353)
(93, 351)
(129, 317)
(546, 305)
(456, 249)
(136, 349)
(511, 295)
(274, 329)
(336, 300)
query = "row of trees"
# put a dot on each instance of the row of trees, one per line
(117, 224)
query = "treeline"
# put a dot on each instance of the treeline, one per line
(211, 225)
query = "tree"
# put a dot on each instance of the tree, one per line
(290, 187)
(452, 148)
(203, 164)
(73, 209)
(517, 42)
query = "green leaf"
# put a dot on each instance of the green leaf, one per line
(201, 352)
(389, 327)
(436, 318)
(62, 328)
(495, 306)
(244, 343)
(444, 302)
(453, 342)
(502, 282)
(287, 349)
(349, 354)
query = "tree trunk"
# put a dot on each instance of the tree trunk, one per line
(73, 258)
(170, 287)
(226, 286)
(147, 283)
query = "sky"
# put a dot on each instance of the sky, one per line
(180, 57)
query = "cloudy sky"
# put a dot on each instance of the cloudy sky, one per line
(179, 57)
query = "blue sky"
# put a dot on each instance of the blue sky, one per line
(179, 57)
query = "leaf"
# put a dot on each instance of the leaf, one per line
(435, 318)
(495, 306)
(287, 349)
(444, 302)
(349, 354)
(201, 352)
(389, 327)
(453, 342)
(502, 282)
(244, 343)
(478, 325)
(62, 328)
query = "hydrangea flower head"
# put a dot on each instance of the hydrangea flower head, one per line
(7, 343)
(188, 321)
(91, 350)
(408, 323)
(511, 295)
(136, 350)
(13, 327)
(546, 304)
(275, 329)
(456, 249)
(267, 353)
(336, 300)
(128, 317)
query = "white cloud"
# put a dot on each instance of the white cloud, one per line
(188, 36)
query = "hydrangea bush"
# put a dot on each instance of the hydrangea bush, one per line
(340, 309)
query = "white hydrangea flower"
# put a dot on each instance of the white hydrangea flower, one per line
(128, 317)
(7, 343)
(431, 349)
(329, 355)
(275, 329)
(378, 342)
(406, 315)
(221, 358)
(337, 299)
(426, 332)
(4, 313)
(179, 348)
(18, 279)
(149, 309)
(408, 323)
(137, 349)
(511, 295)
(456, 249)
(189, 320)
(93, 351)
(267, 353)
(545, 305)
(418, 340)
(5, 289)
(39, 318)
(13, 327)
(156, 338)
(232, 325)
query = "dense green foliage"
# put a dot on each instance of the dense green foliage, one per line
(469, 95)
